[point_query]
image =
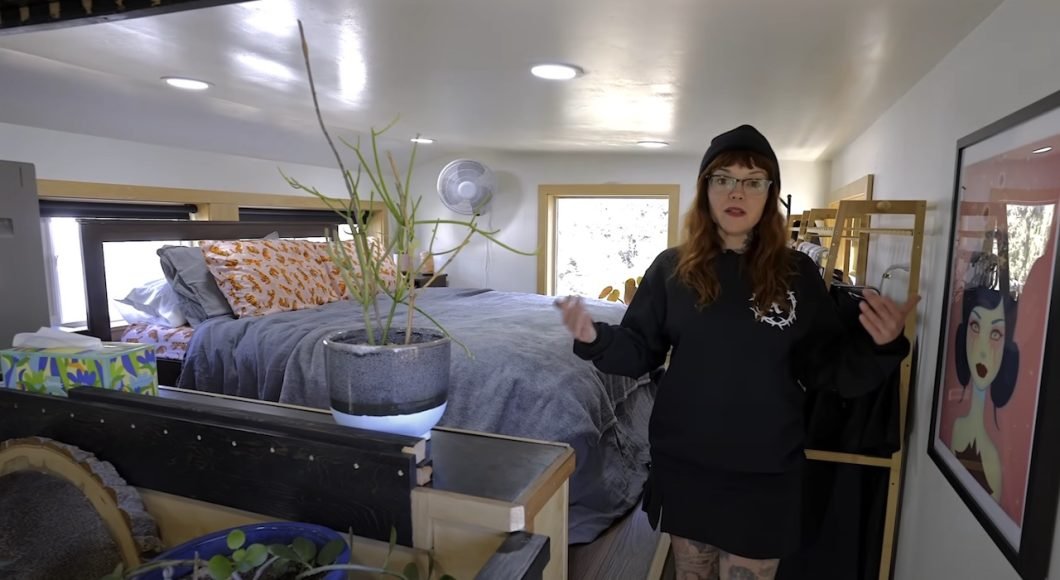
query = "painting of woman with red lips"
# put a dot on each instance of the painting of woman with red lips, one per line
(995, 341)
(995, 400)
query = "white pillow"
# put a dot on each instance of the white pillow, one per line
(152, 303)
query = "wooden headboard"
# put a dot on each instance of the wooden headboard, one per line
(96, 232)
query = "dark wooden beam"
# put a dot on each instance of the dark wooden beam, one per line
(312, 472)
(33, 15)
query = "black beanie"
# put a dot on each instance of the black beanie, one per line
(742, 138)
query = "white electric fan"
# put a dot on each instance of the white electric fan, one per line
(466, 186)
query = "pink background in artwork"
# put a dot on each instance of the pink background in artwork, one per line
(1026, 178)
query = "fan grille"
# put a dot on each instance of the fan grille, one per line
(466, 186)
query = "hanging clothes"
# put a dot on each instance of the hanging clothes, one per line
(868, 424)
(844, 511)
(845, 504)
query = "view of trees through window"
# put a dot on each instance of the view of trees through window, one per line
(603, 241)
(1029, 227)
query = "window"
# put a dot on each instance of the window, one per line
(601, 235)
(1029, 228)
(129, 264)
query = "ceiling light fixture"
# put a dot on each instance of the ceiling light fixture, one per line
(422, 140)
(186, 84)
(653, 144)
(1045, 149)
(556, 72)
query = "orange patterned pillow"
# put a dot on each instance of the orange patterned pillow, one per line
(266, 276)
(387, 267)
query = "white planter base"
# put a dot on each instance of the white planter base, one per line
(414, 425)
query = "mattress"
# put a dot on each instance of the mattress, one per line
(171, 343)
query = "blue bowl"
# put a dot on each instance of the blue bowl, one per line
(215, 543)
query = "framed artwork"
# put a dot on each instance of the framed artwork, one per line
(995, 424)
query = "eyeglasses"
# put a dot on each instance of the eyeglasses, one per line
(724, 184)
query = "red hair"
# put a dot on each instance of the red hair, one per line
(767, 257)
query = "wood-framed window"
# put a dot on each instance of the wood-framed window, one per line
(594, 236)
(63, 202)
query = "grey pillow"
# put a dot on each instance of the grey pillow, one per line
(198, 294)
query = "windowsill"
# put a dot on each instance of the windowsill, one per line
(81, 327)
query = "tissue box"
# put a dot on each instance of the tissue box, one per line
(117, 366)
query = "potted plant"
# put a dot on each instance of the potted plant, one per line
(270, 551)
(387, 374)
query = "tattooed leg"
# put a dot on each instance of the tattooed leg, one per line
(739, 568)
(694, 560)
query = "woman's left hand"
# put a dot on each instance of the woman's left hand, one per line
(882, 318)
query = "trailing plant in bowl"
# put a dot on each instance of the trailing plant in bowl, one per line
(301, 559)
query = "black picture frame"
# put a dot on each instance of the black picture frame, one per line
(1014, 144)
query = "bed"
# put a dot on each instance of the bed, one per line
(522, 379)
(171, 343)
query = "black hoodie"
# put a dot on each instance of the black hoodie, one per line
(732, 396)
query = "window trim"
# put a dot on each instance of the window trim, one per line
(546, 217)
(273, 214)
(61, 208)
(81, 210)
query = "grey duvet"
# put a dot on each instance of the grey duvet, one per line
(522, 380)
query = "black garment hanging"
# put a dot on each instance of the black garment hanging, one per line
(868, 424)
(844, 505)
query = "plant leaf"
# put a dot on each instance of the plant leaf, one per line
(117, 574)
(257, 554)
(236, 539)
(330, 552)
(238, 555)
(220, 568)
(412, 571)
(390, 547)
(306, 550)
(282, 551)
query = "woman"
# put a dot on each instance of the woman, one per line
(750, 324)
(988, 357)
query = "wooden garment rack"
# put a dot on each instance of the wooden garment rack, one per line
(853, 222)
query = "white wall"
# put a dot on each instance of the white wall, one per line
(1007, 63)
(77, 157)
(72, 156)
(515, 207)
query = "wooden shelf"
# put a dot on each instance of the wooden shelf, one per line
(852, 220)
(856, 232)
(839, 457)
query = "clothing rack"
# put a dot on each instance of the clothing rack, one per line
(853, 222)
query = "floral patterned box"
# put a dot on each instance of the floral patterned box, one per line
(117, 366)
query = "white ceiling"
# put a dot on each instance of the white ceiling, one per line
(811, 74)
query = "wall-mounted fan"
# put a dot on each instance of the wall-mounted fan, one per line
(466, 186)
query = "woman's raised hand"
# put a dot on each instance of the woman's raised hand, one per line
(576, 318)
(882, 318)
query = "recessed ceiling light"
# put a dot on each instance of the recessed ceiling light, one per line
(186, 84)
(653, 144)
(422, 140)
(1045, 149)
(556, 72)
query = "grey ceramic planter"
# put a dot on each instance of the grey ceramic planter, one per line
(395, 389)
